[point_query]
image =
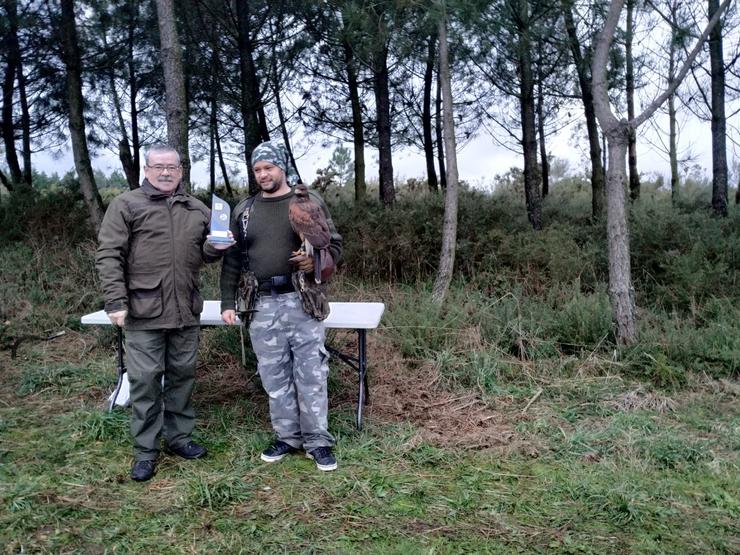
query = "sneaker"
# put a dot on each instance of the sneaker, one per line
(277, 451)
(323, 458)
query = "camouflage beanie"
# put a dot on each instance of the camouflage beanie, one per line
(275, 153)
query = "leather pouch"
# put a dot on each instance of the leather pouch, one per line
(246, 297)
(313, 296)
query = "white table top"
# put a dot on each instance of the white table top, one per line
(358, 315)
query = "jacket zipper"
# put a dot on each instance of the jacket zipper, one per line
(170, 204)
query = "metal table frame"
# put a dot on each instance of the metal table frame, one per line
(358, 316)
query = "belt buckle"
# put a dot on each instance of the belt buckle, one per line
(275, 283)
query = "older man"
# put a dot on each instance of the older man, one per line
(289, 344)
(152, 244)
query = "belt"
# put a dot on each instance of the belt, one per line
(276, 285)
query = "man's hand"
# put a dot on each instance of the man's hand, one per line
(118, 317)
(221, 246)
(304, 262)
(229, 316)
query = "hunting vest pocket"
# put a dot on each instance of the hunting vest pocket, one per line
(145, 296)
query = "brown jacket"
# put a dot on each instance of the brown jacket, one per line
(151, 247)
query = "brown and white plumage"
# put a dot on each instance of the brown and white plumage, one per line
(309, 222)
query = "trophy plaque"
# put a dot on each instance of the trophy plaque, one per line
(220, 218)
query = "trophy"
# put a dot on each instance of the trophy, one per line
(220, 217)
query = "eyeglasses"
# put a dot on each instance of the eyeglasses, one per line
(159, 168)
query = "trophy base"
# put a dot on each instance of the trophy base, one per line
(220, 240)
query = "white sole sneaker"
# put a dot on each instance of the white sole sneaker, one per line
(276, 458)
(323, 467)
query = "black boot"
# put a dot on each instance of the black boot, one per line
(190, 450)
(143, 470)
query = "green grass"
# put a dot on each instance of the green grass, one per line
(603, 479)
(593, 448)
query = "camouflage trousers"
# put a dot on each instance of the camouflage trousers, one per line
(293, 366)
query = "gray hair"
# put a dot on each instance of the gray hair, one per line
(160, 148)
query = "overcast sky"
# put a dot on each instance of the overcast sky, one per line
(478, 161)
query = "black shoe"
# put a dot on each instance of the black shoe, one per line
(190, 450)
(277, 451)
(323, 458)
(143, 470)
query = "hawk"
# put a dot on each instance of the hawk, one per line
(309, 222)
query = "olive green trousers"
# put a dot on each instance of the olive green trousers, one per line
(161, 372)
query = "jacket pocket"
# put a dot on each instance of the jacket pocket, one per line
(196, 301)
(145, 296)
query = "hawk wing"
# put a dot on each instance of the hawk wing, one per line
(308, 221)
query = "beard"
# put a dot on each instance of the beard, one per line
(270, 186)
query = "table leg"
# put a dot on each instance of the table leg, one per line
(121, 369)
(363, 392)
(360, 365)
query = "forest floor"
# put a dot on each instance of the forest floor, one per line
(506, 420)
(591, 463)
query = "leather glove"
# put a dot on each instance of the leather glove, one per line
(118, 317)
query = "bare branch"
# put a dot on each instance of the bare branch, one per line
(650, 110)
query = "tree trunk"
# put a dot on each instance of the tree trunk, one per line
(449, 226)
(529, 136)
(5, 181)
(174, 81)
(284, 131)
(124, 148)
(212, 144)
(604, 161)
(673, 148)
(427, 116)
(11, 7)
(598, 177)
(440, 141)
(544, 164)
(83, 166)
(11, 154)
(221, 162)
(216, 138)
(15, 70)
(275, 78)
(249, 101)
(630, 81)
(672, 126)
(358, 131)
(25, 127)
(621, 291)
(128, 165)
(383, 106)
(133, 181)
(719, 135)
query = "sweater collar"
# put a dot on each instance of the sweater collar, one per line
(276, 199)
